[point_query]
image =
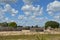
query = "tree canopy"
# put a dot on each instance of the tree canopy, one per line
(12, 24)
(4, 24)
(52, 24)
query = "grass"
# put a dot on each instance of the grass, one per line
(32, 37)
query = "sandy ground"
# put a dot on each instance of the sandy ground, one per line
(24, 32)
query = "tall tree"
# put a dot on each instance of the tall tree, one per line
(36, 26)
(4, 24)
(52, 24)
(12, 24)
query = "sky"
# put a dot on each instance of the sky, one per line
(29, 12)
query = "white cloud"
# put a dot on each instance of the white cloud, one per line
(32, 20)
(22, 17)
(8, 8)
(30, 13)
(32, 10)
(27, 1)
(57, 17)
(1, 14)
(1, 11)
(12, 20)
(8, 1)
(33, 17)
(6, 19)
(53, 7)
(13, 11)
(30, 1)
(1, 18)
(41, 19)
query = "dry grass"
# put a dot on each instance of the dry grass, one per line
(27, 35)
(32, 37)
(25, 32)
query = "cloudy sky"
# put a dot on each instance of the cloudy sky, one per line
(29, 12)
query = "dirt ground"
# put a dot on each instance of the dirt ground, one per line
(25, 32)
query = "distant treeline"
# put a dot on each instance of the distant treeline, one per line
(13, 26)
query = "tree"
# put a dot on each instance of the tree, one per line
(32, 26)
(26, 27)
(4, 24)
(12, 24)
(52, 24)
(36, 26)
(0, 24)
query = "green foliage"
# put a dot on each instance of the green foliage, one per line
(26, 28)
(52, 24)
(4, 24)
(12, 24)
(36, 26)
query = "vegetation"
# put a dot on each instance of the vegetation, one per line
(36, 26)
(26, 28)
(4, 24)
(12, 24)
(32, 37)
(52, 24)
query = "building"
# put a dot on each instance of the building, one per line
(36, 29)
(10, 29)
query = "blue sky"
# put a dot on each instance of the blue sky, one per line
(29, 12)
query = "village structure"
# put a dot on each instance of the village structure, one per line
(33, 30)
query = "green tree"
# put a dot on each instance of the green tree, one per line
(32, 26)
(4, 24)
(0, 24)
(36, 26)
(52, 24)
(12, 24)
